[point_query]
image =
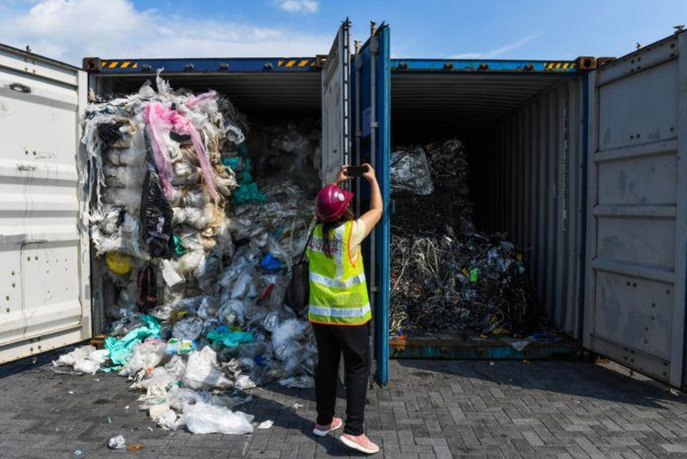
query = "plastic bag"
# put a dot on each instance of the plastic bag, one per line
(188, 328)
(169, 273)
(202, 418)
(118, 263)
(156, 218)
(86, 366)
(167, 420)
(410, 172)
(285, 335)
(180, 346)
(117, 442)
(298, 382)
(85, 359)
(229, 338)
(122, 349)
(74, 356)
(244, 382)
(203, 372)
(232, 311)
(191, 261)
(146, 356)
(245, 286)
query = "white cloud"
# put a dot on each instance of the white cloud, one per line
(72, 29)
(299, 6)
(498, 52)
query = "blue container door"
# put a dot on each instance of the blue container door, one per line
(371, 110)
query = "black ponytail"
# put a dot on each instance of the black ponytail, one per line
(328, 227)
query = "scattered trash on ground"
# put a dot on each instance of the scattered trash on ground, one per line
(117, 442)
(265, 425)
(195, 252)
(445, 276)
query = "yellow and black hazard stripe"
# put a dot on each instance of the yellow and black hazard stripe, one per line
(118, 65)
(559, 65)
(295, 63)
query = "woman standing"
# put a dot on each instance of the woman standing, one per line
(339, 308)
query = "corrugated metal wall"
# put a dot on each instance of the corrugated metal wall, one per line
(527, 181)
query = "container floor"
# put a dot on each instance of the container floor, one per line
(430, 409)
(472, 346)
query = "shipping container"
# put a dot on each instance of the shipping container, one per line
(579, 161)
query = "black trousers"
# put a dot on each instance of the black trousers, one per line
(354, 343)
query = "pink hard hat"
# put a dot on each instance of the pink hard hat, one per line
(331, 203)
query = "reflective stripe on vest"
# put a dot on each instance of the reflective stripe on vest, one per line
(338, 290)
(359, 279)
(339, 312)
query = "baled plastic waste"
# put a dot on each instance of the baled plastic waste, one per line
(200, 244)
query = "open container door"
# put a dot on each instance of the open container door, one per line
(335, 108)
(637, 210)
(44, 250)
(372, 114)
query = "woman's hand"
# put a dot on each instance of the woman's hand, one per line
(370, 174)
(341, 176)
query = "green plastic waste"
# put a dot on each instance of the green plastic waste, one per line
(233, 163)
(122, 349)
(179, 248)
(248, 190)
(249, 193)
(229, 338)
(243, 149)
(474, 275)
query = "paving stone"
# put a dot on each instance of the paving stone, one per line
(430, 409)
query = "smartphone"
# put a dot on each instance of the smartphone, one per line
(356, 171)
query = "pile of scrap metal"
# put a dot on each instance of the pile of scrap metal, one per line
(445, 276)
(198, 254)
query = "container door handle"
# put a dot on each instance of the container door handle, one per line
(20, 88)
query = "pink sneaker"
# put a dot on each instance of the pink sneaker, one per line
(322, 431)
(360, 443)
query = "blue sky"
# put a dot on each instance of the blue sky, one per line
(499, 29)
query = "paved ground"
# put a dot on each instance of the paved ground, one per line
(430, 409)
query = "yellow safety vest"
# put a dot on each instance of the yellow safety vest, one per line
(338, 290)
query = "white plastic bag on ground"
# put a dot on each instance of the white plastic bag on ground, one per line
(203, 372)
(244, 382)
(167, 420)
(86, 366)
(117, 442)
(77, 354)
(265, 425)
(85, 359)
(147, 355)
(202, 418)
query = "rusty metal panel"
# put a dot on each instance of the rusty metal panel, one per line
(636, 224)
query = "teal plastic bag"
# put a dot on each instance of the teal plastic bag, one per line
(122, 349)
(223, 335)
(249, 193)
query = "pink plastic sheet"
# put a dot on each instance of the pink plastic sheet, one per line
(158, 118)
